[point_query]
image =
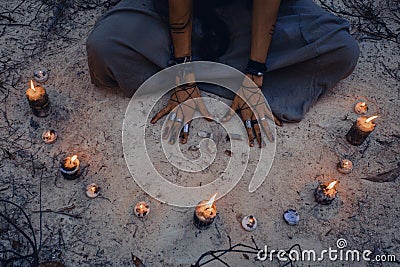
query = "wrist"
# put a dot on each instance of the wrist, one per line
(255, 68)
(185, 59)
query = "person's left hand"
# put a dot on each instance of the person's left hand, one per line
(253, 96)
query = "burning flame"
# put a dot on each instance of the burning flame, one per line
(331, 185)
(362, 104)
(33, 86)
(48, 134)
(211, 201)
(371, 118)
(74, 157)
(251, 220)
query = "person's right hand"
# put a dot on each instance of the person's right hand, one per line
(184, 101)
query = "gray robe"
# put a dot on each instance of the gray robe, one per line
(311, 50)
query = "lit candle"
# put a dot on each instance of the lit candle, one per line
(49, 136)
(345, 166)
(70, 167)
(205, 213)
(360, 130)
(142, 209)
(325, 193)
(249, 223)
(361, 108)
(38, 100)
(92, 190)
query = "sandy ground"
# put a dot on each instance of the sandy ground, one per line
(89, 122)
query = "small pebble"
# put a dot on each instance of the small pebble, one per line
(291, 216)
(204, 134)
(228, 153)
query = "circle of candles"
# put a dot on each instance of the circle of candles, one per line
(38, 100)
(291, 216)
(70, 168)
(325, 193)
(345, 166)
(41, 75)
(142, 209)
(249, 223)
(360, 130)
(361, 108)
(92, 190)
(205, 213)
(49, 136)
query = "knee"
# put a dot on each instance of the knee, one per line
(348, 54)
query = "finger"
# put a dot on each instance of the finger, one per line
(174, 133)
(160, 114)
(257, 130)
(232, 110)
(267, 130)
(185, 133)
(203, 109)
(277, 121)
(168, 125)
(246, 116)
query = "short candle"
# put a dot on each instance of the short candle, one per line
(205, 213)
(70, 168)
(142, 209)
(49, 136)
(360, 130)
(249, 223)
(38, 100)
(41, 75)
(325, 193)
(345, 166)
(361, 108)
(92, 190)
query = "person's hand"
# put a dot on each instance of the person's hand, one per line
(252, 94)
(184, 101)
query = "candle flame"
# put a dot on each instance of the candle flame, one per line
(48, 134)
(331, 185)
(371, 118)
(74, 157)
(362, 104)
(33, 86)
(211, 201)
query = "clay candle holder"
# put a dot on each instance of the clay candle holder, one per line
(325, 193)
(49, 136)
(360, 130)
(38, 100)
(205, 213)
(345, 166)
(249, 223)
(142, 209)
(70, 168)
